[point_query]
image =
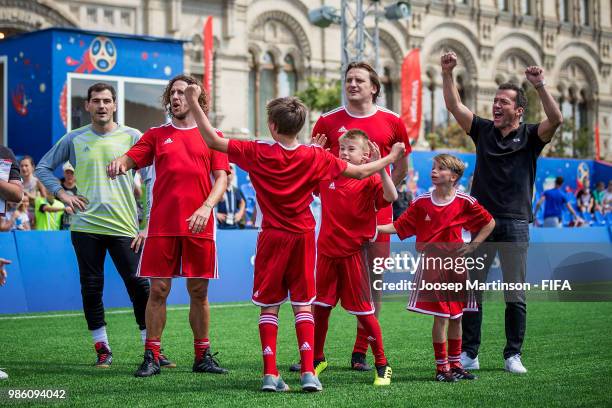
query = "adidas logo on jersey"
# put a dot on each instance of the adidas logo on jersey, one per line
(267, 351)
(332, 186)
(427, 218)
(305, 347)
(86, 149)
(168, 141)
(342, 129)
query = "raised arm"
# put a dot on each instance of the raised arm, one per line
(213, 141)
(554, 118)
(461, 113)
(389, 190)
(400, 170)
(366, 170)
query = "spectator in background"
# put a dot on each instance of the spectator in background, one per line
(68, 183)
(555, 200)
(584, 200)
(48, 212)
(32, 187)
(232, 207)
(598, 196)
(607, 200)
(404, 197)
(17, 218)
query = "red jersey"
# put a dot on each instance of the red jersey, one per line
(348, 214)
(183, 177)
(441, 223)
(284, 179)
(383, 127)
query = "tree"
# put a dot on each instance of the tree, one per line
(451, 137)
(321, 95)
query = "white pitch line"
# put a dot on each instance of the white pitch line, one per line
(48, 316)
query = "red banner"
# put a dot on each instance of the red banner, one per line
(208, 55)
(597, 147)
(412, 106)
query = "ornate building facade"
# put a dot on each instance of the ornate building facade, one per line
(268, 48)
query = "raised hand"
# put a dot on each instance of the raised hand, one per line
(397, 150)
(319, 139)
(374, 151)
(535, 75)
(448, 62)
(192, 92)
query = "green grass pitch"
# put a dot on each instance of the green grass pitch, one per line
(568, 352)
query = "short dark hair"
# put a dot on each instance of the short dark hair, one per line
(27, 157)
(99, 87)
(374, 79)
(288, 114)
(559, 181)
(520, 101)
(189, 80)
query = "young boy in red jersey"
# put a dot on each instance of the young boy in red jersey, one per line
(436, 219)
(284, 174)
(348, 223)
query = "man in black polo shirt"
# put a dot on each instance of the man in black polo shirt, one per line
(506, 155)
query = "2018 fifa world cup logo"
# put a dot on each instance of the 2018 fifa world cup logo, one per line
(103, 54)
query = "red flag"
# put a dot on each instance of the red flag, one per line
(208, 55)
(597, 147)
(412, 90)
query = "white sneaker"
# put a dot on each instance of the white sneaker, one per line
(515, 365)
(3, 375)
(469, 363)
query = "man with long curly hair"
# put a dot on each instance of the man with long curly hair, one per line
(181, 237)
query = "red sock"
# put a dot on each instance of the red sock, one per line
(304, 329)
(372, 327)
(361, 341)
(441, 356)
(321, 317)
(268, 330)
(200, 346)
(454, 352)
(154, 345)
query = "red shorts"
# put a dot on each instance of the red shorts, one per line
(449, 303)
(345, 279)
(284, 268)
(176, 257)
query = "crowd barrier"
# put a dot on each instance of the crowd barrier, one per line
(44, 275)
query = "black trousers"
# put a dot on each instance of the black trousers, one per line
(509, 239)
(90, 251)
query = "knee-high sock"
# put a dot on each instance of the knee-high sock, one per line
(361, 341)
(441, 356)
(454, 352)
(374, 336)
(268, 331)
(304, 329)
(321, 318)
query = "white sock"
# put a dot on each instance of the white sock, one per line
(143, 335)
(99, 336)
